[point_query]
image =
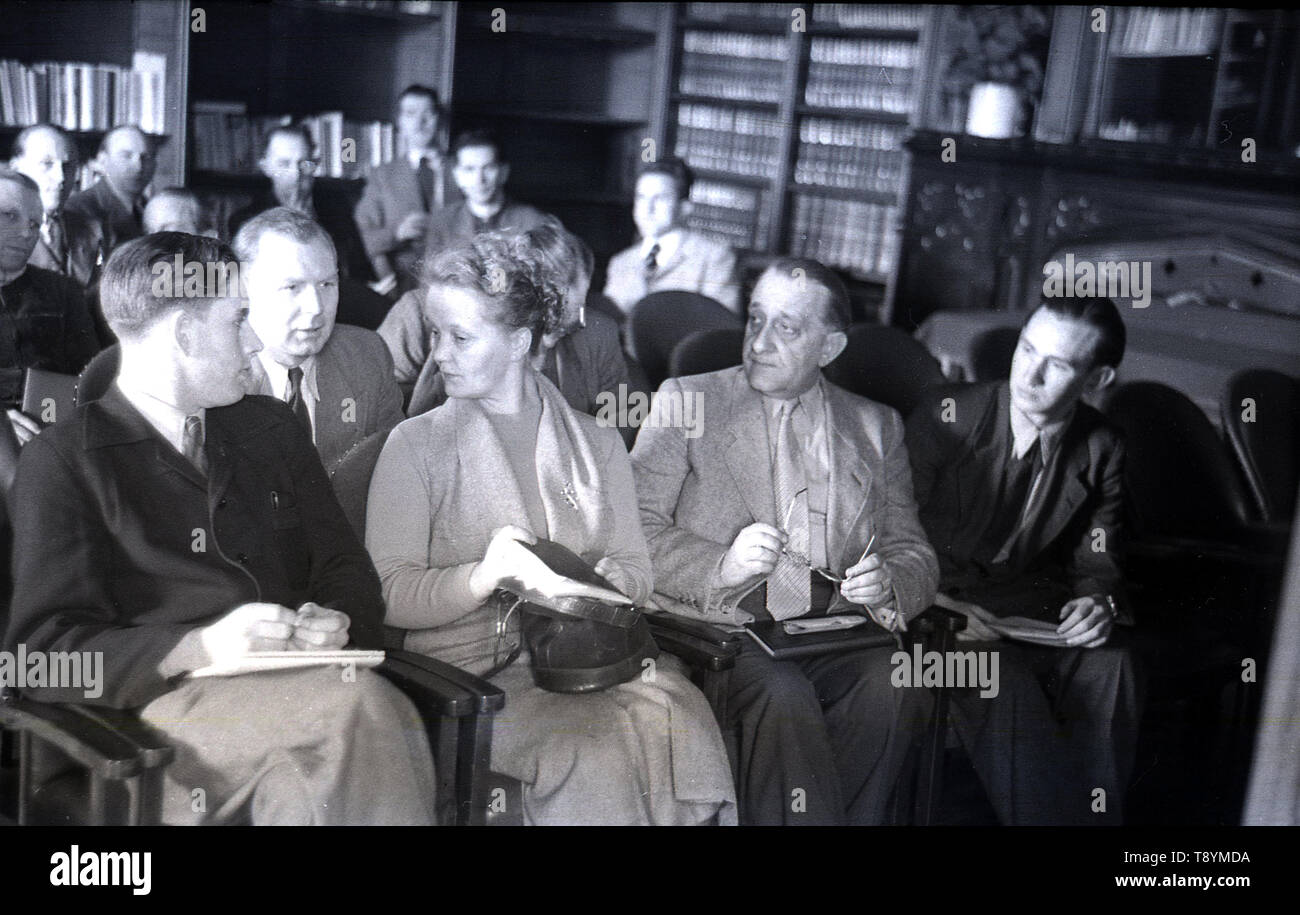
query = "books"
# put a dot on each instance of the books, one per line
(262, 661)
(85, 96)
(771, 636)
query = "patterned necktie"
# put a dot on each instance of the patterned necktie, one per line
(192, 443)
(789, 589)
(425, 174)
(296, 401)
(652, 260)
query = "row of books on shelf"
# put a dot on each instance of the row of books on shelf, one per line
(227, 139)
(846, 234)
(1153, 30)
(865, 52)
(736, 44)
(876, 88)
(721, 12)
(734, 214)
(410, 7)
(730, 78)
(85, 96)
(723, 139)
(842, 15)
(849, 168)
(835, 132)
(869, 16)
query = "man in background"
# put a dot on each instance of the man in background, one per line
(289, 163)
(115, 202)
(46, 321)
(669, 255)
(69, 243)
(393, 213)
(176, 209)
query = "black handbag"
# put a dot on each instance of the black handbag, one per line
(579, 644)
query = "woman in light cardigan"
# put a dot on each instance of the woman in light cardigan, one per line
(505, 458)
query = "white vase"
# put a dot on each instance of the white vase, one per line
(994, 111)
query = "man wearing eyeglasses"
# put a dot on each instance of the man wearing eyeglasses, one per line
(289, 163)
(793, 500)
(44, 320)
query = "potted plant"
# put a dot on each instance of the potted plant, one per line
(995, 63)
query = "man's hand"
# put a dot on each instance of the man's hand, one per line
(976, 629)
(868, 583)
(319, 628)
(1086, 621)
(753, 554)
(25, 428)
(246, 629)
(500, 561)
(412, 227)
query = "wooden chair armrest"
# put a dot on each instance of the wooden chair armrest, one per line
(454, 692)
(91, 743)
(699, 644)
(151, 746)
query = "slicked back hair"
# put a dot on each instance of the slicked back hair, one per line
(839, 314)
(1097, 312)
(282, 221)
(128, 288)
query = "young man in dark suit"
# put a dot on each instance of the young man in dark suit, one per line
(175, 525)
(337, 379)
(116, 201)
(1019, 485)
(393, 213)
(70, 243)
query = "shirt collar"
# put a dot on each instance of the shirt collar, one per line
(167, 418)
(1024, 433)
(813, 401)
(278, 376)
(668, 244)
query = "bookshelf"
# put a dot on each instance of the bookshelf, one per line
(796, 135)
(569, 90)
(336, 67)
(77, 63)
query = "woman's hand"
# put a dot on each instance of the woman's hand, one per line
(613, 573)
(502, 560)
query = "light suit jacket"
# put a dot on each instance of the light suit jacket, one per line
(696, 494)
(699, 264)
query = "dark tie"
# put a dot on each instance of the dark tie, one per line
(296, 401)
(55, 238)
(1015, 507)
(192, 443)
(652, 259)
(425, 174)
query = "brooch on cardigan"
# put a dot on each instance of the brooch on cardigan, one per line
(569, 494)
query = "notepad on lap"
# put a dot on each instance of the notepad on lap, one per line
(772, 638)
(262, 661)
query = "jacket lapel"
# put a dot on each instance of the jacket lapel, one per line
(851, 460)
(746, 451)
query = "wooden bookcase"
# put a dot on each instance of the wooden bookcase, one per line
(570, 91)
(107, 32)
(793, 117)
(299, 58)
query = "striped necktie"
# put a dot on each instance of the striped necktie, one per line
(192, 443)
(789, 589)
(296, 401)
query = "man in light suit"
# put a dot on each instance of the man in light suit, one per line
(337, 379)
(70, 243)
(785, 474)
(1020, 490)
(669, 255)
(176, 524)
(393, 213)
(116, 201)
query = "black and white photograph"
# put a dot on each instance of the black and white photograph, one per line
(649, 414)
